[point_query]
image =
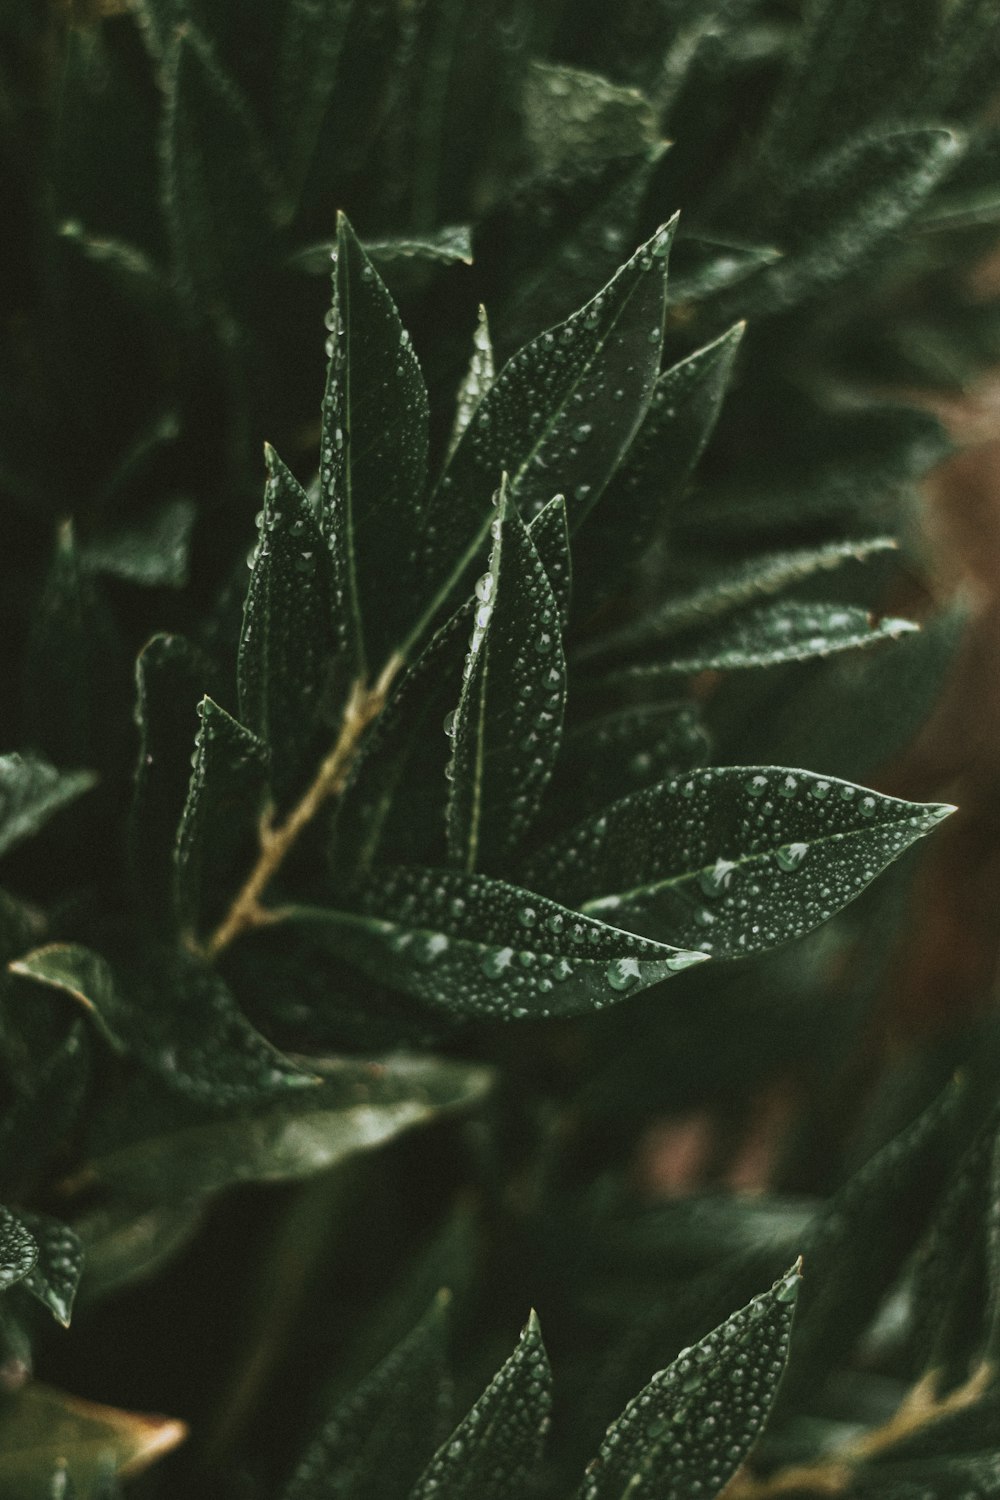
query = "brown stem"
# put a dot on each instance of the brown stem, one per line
(363, 706)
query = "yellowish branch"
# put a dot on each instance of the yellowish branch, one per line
(364, 704)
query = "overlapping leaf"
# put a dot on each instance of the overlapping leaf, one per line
(478, 947)
(31, 792)
(18, 1249)
(55, 1276)
(731, 860)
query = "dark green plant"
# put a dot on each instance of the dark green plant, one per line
(563, 666)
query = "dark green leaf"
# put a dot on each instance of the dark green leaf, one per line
(217, 836)
(18, 1250)
(158, 1145)
(549, 533)
(380, 1437)
(570, 114)
(450, 243)
(553, 413)
(124, 1243)
(31, 792)
(312, 41)
(288, 638)
(55, 1275)
(479, 376)
(174, 1015)
(694, 1424)
(495, 1453)
(508, 722)
(731, 860)
(374, 457)
(51, 1085)
(656, 469)
(479, 947)
(152, 552)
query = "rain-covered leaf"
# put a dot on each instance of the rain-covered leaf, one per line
(152, 552)
(564, 409)
(288, 638)
(378, 1439)
(654, 473)
(694, 1424)
(549, 533)
(475, 946)
(218, 203)
(771, 634)
(218, 828)
(569, 114)
(55, 1275)
(496, 1451)
(31, 792)
(157, 1145)
(18, 1249)
(508, 721)
(373, 458)
(731, 860)
(479, 376)
(45, 1432)
(173, 1014)
(312, 40)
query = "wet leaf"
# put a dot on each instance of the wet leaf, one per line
(18, 1250)
(32, 792)
(478, 947)
(55, 1276)
(539, 420)
(450, 243)
(549, 533)
(46, 1430)
(379, 1438)
(158, 1145)
(508, 721)
(696, 1421)
(173, 1014)
(495, 1453)
(217, 836)
(476, 381)
(288, 638)
(731, 860)
(152, 552)
(569, 114)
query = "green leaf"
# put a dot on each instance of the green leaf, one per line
(495, 1453)
(733, 589)
(173, 1014)
(508, 722)
(479, 947)
(44, 1432)
(124, 1243)
(51, 1085)
(696, 1421)
(450, 244)
(374, 457)
(218, 201)
(152, 552)
(549, 534)
(379, 1437)
(288, 637)
(312, 42)
(157, 1145)
(731, 860)
(479, 376)
(553, 413)
(217, 837)
(32, 792)
(770, 634)
(569, 114)
(18, 1249)
(55, 1276)
(655, 471)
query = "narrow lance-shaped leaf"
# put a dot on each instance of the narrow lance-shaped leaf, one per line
(218, 829)
(732, 860)
(655, 471)
(373, 458)
(379, 1438)
(508, 722)
(152, 1136)
(18, 1249)
(733, 589)
(768, 636)
(549, 533)
(562, 411)
(476, 381)
(570, 114)
(31, 792)
(495, 1453)
(694, 1424)
(479, 947)
(176, 1016)
(55, 1276)
(288, 637)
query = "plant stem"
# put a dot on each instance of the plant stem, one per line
(364, 704)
